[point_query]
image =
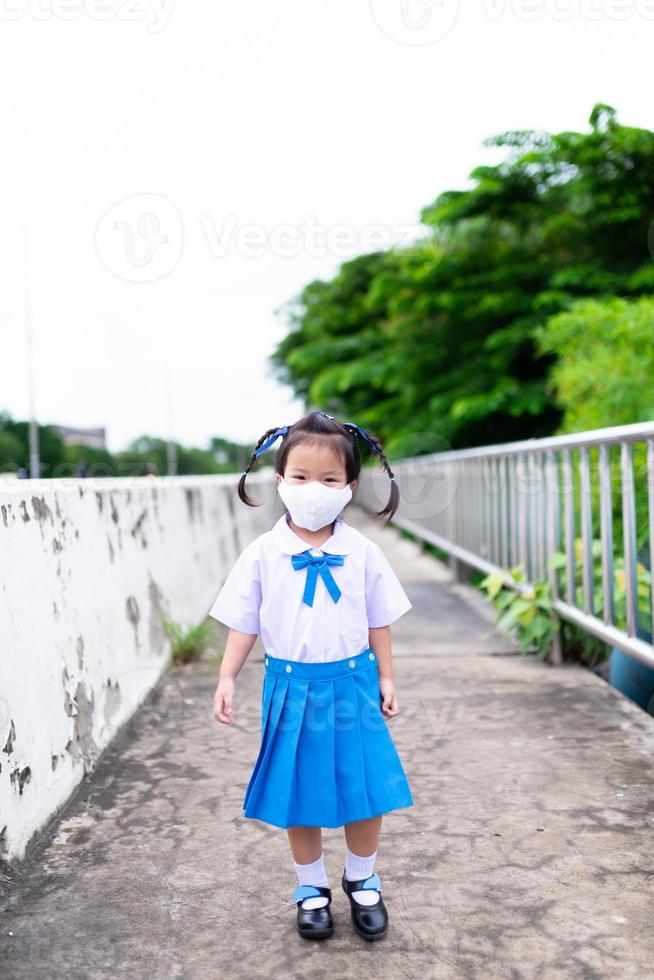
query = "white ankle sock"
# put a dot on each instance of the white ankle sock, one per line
(313, 873)
(357, 867)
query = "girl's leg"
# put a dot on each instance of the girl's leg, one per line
(362, 838)
(306, 845)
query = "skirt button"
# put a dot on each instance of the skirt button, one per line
(352, 663)
(371, 656)
(288, 668)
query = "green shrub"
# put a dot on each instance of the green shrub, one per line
(188, 644)
(527, 612)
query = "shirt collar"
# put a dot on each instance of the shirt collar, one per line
(342, 541)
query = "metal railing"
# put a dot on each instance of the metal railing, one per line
(500, 506)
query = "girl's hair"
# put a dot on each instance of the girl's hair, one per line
(341, 436)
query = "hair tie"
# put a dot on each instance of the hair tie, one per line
(354, 429)
(362, 432)
(270, 440)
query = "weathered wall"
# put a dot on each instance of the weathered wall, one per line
(87, 570)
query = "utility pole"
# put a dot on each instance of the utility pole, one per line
(171, 445)
(35, 466)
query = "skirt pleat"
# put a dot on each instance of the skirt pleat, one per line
(274, 691)
(326, 756)
(313, 787)
(274, 782)
(385, 781)
(351, 772)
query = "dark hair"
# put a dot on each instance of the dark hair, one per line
(314, 426)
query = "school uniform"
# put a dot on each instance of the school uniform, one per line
(326, 755)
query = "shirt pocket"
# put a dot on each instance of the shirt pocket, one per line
(354, 618)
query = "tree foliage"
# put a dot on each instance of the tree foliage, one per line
(605, 351)
(441, 336)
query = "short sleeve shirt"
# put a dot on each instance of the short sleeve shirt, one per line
(263, 594)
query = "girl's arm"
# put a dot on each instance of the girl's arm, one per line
(237, 649)
(379, 638)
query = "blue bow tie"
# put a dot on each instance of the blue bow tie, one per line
(315, 564)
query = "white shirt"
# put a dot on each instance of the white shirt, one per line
(263, 593)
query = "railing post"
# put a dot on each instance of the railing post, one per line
(460, 571)
(555, 653)
(629, 537)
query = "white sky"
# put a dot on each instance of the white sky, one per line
(216, 117)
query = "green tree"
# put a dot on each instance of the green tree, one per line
(441, 336)
(605, 363)
(51, 445)
(13, 453)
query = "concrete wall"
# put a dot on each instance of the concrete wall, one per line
(87, 570)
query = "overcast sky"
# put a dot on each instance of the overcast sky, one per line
(173, 172)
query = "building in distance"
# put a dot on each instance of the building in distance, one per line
(96, 438)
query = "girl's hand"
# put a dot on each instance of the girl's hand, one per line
(389, 705)
(223, 700)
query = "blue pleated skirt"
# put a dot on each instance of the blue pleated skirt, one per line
(326, 756)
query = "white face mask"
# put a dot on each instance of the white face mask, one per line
(313, 505)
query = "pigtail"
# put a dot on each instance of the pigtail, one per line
(319, 423)
(394, 497)
(242, 493)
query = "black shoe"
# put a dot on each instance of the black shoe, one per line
(369, 921)
(313, 923)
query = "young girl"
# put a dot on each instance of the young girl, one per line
(322, 595)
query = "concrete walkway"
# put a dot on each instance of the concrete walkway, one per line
(528, 852)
